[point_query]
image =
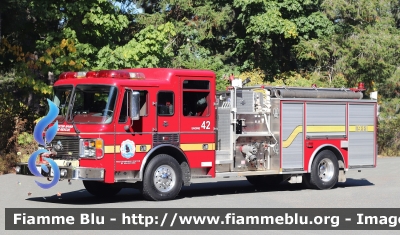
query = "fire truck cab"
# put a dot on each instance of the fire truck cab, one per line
(158, 129)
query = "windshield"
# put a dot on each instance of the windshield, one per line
(62, 94)
(93, 104)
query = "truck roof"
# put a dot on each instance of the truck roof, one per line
(144, 76)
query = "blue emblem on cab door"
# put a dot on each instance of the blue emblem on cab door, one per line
(128, 149)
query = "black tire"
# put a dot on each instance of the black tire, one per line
(100, 189)
(264, 180)
(307, 181)
(162, 178)
(324, 170)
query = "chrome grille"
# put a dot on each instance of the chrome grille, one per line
(70, 146)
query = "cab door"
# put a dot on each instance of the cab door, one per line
(166, 119)
(167, 114)
(133, 138)
(197, 122)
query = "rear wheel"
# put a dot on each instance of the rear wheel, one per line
(324, 171)
(100, 189)
(162, 178)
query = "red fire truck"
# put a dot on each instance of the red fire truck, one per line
(157, 129)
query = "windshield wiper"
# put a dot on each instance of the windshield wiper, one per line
(71, 116)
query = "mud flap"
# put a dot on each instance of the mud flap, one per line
(342, 173)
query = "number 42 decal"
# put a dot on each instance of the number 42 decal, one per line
(205, 125)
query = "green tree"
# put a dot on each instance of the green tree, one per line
(204, 35)
(268, 30)
(40, 38)
(363, 48)
(151, 47)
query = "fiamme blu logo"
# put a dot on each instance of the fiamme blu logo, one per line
(50, 134)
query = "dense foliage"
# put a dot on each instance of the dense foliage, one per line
(332, 43)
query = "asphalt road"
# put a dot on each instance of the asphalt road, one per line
(370, 188)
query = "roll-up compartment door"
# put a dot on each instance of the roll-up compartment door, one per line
(361, 135)
(292, 136)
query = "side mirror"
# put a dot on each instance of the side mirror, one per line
(134, 109)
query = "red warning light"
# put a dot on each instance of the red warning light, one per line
(113, 74)
(68, 75)
(91, 74)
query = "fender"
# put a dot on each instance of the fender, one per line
(315, 153)
(150, 153)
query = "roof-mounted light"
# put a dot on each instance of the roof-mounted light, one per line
(136, 75)
(91, 74)
(81, 74)
(359, 88)
(113, 74)
(119, 74)
(72, 75)
(68, 75)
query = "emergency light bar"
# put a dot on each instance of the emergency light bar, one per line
(91, 74)
(113, 74)
(120, 74)
(137, 75)
(72, 75)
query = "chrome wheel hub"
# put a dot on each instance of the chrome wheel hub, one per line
(326, 170)
(164, 178)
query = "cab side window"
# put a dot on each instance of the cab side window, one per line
(165, 103)
(196, 98)
(123, 116)
(143, 103)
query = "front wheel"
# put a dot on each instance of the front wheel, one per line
(324, 171)
(100, 189)
(162, 178)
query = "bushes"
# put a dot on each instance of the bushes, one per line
(7, 162)
(389, 136)
(25, 145)
(21, 150)
(389, 128)
(18, 144)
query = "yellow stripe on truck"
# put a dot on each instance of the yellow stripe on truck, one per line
(286, 143)
(361, 128)
(184, 147)
(194, 147)
(325, 129)
(322, 129)
(110, 148)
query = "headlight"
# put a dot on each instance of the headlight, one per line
(91, 148)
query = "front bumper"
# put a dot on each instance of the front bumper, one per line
(66, 172)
